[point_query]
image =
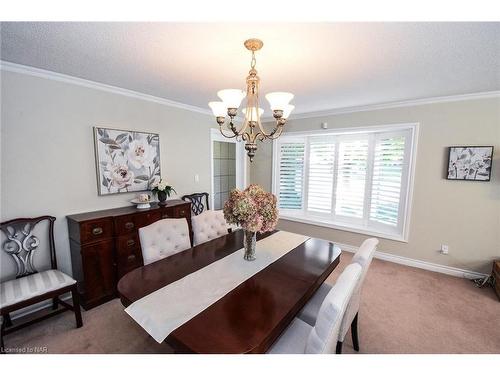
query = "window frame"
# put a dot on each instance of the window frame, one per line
(401, 234)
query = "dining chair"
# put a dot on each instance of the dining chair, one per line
(32, 283)
(308, 314)
(300, 337)
(208, 225)
(199, 202)
(164, 238)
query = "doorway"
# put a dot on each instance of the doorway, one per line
(228, 168)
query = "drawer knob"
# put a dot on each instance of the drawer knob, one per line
(97, 231)
(129, 225)
(164, 216)
(130, 243)
(131, 257)
(183, 212)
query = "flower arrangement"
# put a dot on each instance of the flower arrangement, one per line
(253, 209)
(163, 190)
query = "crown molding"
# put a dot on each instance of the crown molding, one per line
(404, 103)
(47, 74)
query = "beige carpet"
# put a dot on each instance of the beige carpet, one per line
(404, 310)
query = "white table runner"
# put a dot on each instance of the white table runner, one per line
(166, 309)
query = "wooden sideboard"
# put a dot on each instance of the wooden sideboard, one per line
(105, 246)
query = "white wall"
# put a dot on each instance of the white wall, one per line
(47, 150)
(464, 215)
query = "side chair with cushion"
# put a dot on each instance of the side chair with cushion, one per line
(164, 238)
(299, 337)
(308, 314)
(32, 286)
(208, 225)
(199, 202)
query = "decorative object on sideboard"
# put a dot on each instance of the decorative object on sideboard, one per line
(142, 201)
(252, 129)
(470, 163)
(254, 210)
(162, 189)
(126, 160)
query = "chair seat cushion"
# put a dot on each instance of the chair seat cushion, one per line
(293, 340)
(24, 288)
(310, 311)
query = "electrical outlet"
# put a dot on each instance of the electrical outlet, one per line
(196, 178)
(444, 249)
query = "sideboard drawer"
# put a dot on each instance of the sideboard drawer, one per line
(96, 230)
(183, 211)
(129, 254)
(147, 218)
(125, 224)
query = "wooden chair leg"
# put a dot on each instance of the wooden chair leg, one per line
(339, 347)
(55, 303)
(354, 333)
(76, 307)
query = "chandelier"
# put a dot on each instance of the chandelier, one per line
(252, 129)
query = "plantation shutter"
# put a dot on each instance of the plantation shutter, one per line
(388, 168)
(291, 174)
(351, 174)
(320, 174)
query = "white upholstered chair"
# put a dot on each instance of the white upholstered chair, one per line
(164, 238)
(300, 337)
(208, 225)
(308, 314)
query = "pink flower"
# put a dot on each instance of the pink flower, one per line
(253, 209)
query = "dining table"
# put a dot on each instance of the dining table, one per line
(250, 317)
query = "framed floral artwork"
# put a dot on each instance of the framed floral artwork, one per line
(470, 163)
(126, 160)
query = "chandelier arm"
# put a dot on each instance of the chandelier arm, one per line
(271, 135)
(226, 136)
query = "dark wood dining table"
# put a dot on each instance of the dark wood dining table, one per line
(254, 314)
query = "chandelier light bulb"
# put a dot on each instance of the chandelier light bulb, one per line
(219, 109)
(287, 110)
(252, 114)
(231, 97)
(279, 100)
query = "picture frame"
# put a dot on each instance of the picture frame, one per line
(470, 163)
(126, 160)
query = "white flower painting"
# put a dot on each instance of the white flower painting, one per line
(470, 163)
(126, 161)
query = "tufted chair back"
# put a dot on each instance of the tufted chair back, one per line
(324, 335)
(164, 238)
(363, 257)
(208, 225)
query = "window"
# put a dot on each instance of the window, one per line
(357, 180)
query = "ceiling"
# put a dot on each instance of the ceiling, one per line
(326, 65)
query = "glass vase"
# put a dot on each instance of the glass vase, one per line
(249, 241)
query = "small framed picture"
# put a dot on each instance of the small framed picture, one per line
(470, 163)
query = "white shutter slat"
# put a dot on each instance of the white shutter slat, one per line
(387, 174)
(351, 174)
(291, 176)
(320, 175)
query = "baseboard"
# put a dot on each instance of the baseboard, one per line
(447, 270)
(30, 310)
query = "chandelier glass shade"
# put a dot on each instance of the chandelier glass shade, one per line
(251, 130)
